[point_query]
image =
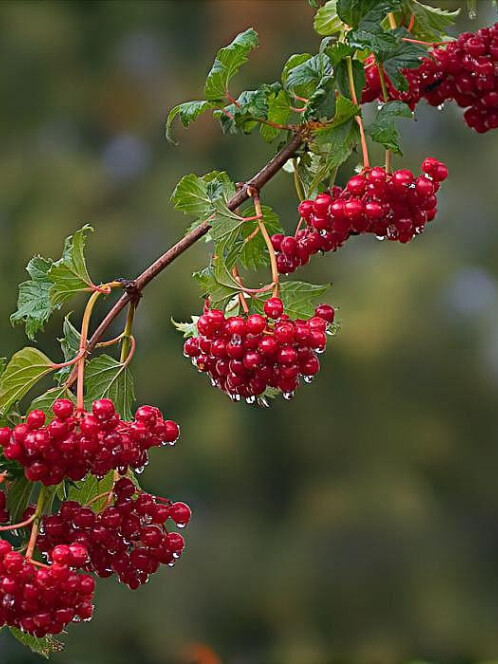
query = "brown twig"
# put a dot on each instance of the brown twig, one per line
(257, 182)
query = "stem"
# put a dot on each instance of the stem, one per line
(125, 346)
(273, 259)
(364, 149)
(83, 348)
(258, 181)
(392, 21)
(15, 526)
(297, 182)
(36, 522)
(70, 363)
(385, 96)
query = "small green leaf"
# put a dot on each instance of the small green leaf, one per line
(327, 22)
(299, 298)
(195, 195)
(322, 103)
(242, 116)
(332, 145)
(342, 78)
(33, 304)
(45, 646)
(365, 13)
(304, 78)
(254, 253)
(431, 23)
(228, 62)
(18, 497)
(69, 275)
(294, 61)
(278, 112)
(383, 129)
(187, 329)
(224, 221)
(86, 490)
(106, 377)
(46, 400)
(188, 112)
(23, 371)
(405, 56)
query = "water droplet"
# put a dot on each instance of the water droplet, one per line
(235, 397)
(308, 379)
(236, 339)
(288, 395)
(440, 107)
(181, 525)
(472, 12)
(213, 382)
(172, 563)
(250, 400)
(319, 351)
(380, 237)
(380, 105)
(139, 470)
(263, 402)
(176, 555)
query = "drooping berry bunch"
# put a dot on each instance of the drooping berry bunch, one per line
(42, 600)
(127, 538)
(396, 206)
(244, 355)
(76, 443)
(464, 71)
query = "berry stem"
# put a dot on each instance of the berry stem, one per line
(275, 276)
(385, 96)
(22, 524)
(364, 149)
(297, 182)
(83, 348)
(36, 522)
(70, 363)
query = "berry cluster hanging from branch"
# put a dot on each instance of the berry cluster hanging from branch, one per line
(71, 508)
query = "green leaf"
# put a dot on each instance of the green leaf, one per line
(33, 304)
(3, 364)
(364, 13)
(217, 281)
(46, 400)
(70, 345)
(321, 105)
(254, 253)
(228, 62)
(45, 646)
(431, 23)
(278, 112)
(106, 377)
(86, 490)
(304, 78)
(242, 116)
(69, 275)
(18, 497)
(327, 22)
(187, 329)
(294, 61)
(224, 222)
(188, 112)
(196, 195)
(299, 298)
(23, 371)
(383, 129)
(332, 145)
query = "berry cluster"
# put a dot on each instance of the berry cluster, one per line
(42, 600)
(464, 70)
(76, 443)
(126, 538)
(396, 206)
(4, 515)
(244, 355)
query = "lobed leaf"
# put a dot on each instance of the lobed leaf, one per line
(254, 253)
(227, 63)
(279, 110)
(299, 298)
(18, 497)
(327, 21)
(188, 112)
(187, 329)
(89, 488)
(69, 275)
(430, 23)
(46, 400)
(33, 304)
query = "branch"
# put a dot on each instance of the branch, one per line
(257, 182)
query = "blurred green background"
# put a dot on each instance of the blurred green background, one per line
(358, 523)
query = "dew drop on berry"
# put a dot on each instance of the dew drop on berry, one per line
(308, 379)
(288, 395)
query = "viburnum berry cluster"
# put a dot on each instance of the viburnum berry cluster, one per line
(464, 70)
(74, 444)
(396, 206)
(127, 538)
(71, 507)
(42, 600)
(246, 355)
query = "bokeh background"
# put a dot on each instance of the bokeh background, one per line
(358, 523)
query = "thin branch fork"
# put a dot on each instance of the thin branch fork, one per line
(257, 182)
